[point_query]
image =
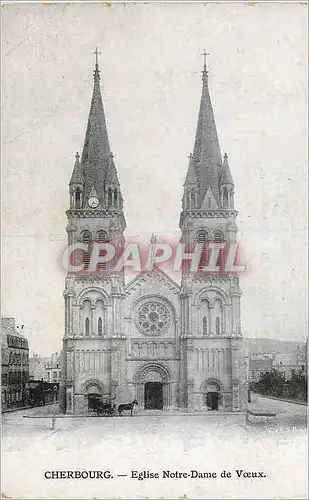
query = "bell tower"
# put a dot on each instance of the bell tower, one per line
(211, 339)
(92, 342)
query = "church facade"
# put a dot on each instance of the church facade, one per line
(165, 344)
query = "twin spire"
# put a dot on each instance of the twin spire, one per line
(96, 169)
(207, 175)
(206, 172)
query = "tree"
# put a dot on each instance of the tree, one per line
(271, 383)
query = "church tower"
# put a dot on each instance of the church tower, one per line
(93, 341)
(212, 366)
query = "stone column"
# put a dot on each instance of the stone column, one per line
(92, 320)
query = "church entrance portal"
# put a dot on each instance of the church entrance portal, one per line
(153, 396)
(213, 400)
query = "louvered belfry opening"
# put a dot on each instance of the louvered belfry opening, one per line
(102, 237)
(87, 240)
(202, 239)
(219, 238)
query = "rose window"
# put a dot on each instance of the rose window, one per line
(153, 318)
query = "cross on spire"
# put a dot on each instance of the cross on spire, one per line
(205, 72)
(96, 53)
(205, 54)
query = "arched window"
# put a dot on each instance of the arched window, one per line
(100, 326)
(86, 237)
(192, 200)
(201, 237)
(99, 314)
(225, 198)
(102, 237)
(209, 203)
(218, 314)
(78, 198)
(218, 326)
(87, 326)
(205, 326)
(205, 317)
(218, 237)
(109, 197)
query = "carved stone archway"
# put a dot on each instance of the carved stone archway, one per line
(156, 373)
(92, 386)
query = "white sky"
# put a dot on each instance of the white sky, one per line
(150, 75)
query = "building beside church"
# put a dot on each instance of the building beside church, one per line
(167, 345)
(14, 365)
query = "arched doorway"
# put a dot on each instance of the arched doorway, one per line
(153, 387)
(93, 391)
(211, 392)
(153, 396)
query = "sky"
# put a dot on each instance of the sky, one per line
(151, 83)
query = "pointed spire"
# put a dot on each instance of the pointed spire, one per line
(95, 157)
(206, 153)
(191, 179)
(77, 175)
(111, 175)
(226, 177)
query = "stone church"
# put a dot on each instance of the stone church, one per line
(167, 345)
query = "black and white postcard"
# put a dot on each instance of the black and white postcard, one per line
(154, 250)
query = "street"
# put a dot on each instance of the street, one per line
(209, 443)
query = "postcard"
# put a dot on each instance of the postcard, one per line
(154, 173)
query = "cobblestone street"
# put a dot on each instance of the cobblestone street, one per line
(207, 443)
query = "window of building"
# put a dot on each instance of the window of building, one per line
(100, 326)
(202, 237)
(205, 326)
(86, 237)
(78, 198)
(218, 330)
(87, 326)
(102, 237)
(218, 237)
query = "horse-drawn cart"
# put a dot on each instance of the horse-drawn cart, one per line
(102, 405)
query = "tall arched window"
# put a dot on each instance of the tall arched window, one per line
(86, 315)
(99, 311)
(86, 237)
(225, 198)
(205, 316)
(218, 314)
(218, 331)
(87, 326)
(218, 238)
(78, 198)
(102, 238)
(100, 326)
(205, 326)
(109, 197)
(202, 238)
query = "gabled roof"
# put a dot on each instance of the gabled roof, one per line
(156, 272)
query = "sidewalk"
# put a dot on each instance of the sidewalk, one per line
(295, 401)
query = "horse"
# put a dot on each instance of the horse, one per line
(128, 406)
